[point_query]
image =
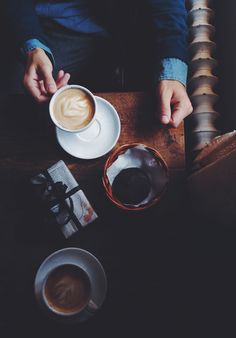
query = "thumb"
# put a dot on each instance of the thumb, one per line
(164, 108)
(48, 80)
(180, 111)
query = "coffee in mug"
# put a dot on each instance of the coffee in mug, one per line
(67, 289)
(72, 108)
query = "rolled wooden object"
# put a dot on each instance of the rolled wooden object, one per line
(200, 122)
(202, 50)
(202, 85)
(196, 4)
(203, 104)
(202, 79)
(201, 16)
(202, 33)
(202, 67)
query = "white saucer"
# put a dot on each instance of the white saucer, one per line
(106, 130)
(87, 262)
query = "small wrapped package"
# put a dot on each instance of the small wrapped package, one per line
(63, 199)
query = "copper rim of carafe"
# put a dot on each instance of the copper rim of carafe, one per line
(108, 188)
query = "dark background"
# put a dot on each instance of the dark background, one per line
(170, 274)
(213, 244)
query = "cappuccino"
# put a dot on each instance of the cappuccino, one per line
(73, 109)
(67, 289)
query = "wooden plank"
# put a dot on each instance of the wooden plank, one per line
(216, 149)
(212, 188)
(28, 142)
(136, 111)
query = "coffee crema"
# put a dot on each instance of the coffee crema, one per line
(73, 109)
(67, 289)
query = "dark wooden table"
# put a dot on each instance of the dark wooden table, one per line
(143, 253)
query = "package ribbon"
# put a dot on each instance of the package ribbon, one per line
(55, 194)
(61, 195)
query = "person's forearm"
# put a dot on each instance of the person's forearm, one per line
(32, 44)
(170, 27)
(173, 69)
(22, 20)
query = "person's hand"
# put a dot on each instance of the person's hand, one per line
(173, 104)
(38, 78)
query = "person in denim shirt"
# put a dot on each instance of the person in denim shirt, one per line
(82, 40)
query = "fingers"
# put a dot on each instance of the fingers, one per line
(49, 83)
(60, 75)
(42, 88)
(173, 102)
(181, 109)
(34, 87)
(164, 108)
(37, 87)
(38, 77)
(62, 79)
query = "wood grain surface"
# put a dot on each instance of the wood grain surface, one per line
(28, 142)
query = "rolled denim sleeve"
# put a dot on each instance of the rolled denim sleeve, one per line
(173, 69)
(35, 43)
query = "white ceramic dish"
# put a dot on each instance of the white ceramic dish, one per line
(98, 139)
(86, 261)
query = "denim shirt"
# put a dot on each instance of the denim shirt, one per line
(74, 15)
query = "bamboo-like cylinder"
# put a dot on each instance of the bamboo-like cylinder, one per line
(193, 4)
(202, 79)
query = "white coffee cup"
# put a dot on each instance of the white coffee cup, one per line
(70, 285)
(67, 290)
(74, 113)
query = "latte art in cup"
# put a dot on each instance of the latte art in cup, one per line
(73, 109)
(67, 289)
